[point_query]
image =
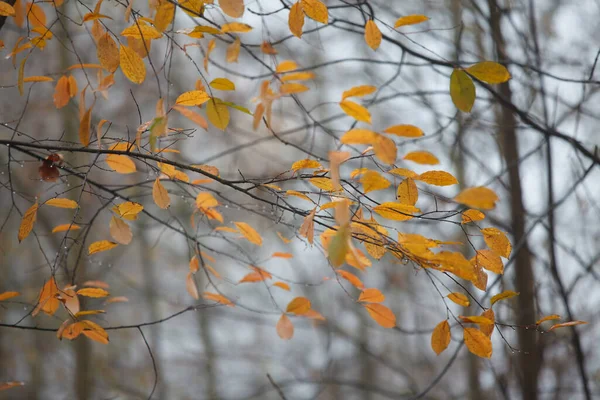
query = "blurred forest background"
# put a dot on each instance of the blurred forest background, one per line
(533, 141)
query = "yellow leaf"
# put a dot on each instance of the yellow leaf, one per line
(308, 226)
(160, 195)
(62, 203)
(258, 275)
(219, 298)
(298, 194)
(298, 76)
(478, 197)
(372, 180)
(507, 294)
(27, 222)
(291, 88)
(38, 79)
(350, 277)
(298, 306)
(65, 227)
(471, 215)
(395, 211)
(410, 20)
(489, 260)
(410, 131)
(8, 295)
(371, 296)
(36, 15)
(132, 65)
(306, 164)
(408, 192)
(192, 116)
(249, 233)
(107, 52)
(478, 342)
(460, 299)
(120, 231)
(102, 245)
(422, 157)
(372, 35)
(206, 200)
(89, 312)
(93, 292)
(488, 329)
(95, 332)
(285, 327)
(437, 178)
(497, 241)
(385, 149)
(489, 72)
(339, 246)
(141, 31)
(164, 16)
(359, 91)
(440, 337)
(190, 285)
(316, 10)
(323, 184)
(381, 314)
(282, 285)
(233, 51)
(565, 324)
(47, 301)
(21, 75)
(356, 111)
(84, 127)
(296, 19)
(120, 163)
(222, 84)
(235, 27)
(407, 173)
(193, 98)
(217, 114)
(462, 90)
(128, 210)
(286, 66)
(547, 318)
(6, 10)
(476, 319)
(359, 136)
(233, 8)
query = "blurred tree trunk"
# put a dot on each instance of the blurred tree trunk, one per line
(529, 355)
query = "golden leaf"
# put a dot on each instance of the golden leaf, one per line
(120, 163)
(489, 72)
(359, 136)
(296, 19)
(27, 222)
(422, 157)
(6, 10)
(372, 35)
(440, 337)
(222, 84)
(218, 114)
(160, 195)
(478, 197)
(460, 299)
(108, 53)
(164, 16)
(298, 306)
(395, 211)
(471, 215)
(437, 178)
(356, 111)
(141, 31)
(410, 20)
(101, 245)
(8, 295)
(65, 227)
(350, 277)
(316, 10)
(478, 342)
(371, 296)
(62, 203)
(462, 90)
(410, 131)
(128, 210)
(132, 65)
(372, 181)
(381, 314)
(219, 298)
(193, 98)
(47, 301)
(547, 318)
(307, 229)
(233, 8)
(385, 149)
(249, 233)
(235, 27)
(489, 260)
(507, 294)
(306, 164)
(93, 292)
(408, 192)
(497, 241)
(120, 231)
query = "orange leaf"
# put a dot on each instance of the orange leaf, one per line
(316, 10)
(190, 285)
(8, 385)
(437, 178)
(410, 131)
(27, 222)
(410, 20)
(160, 195)
(296, 19)
(8, 295)
(307, 229)
(371, 296)
(282, 285)
(219, 298)
(478, 342)
(102, 245)
(459, 299)
(282, 255)
(47, 301)
(249, 233)
(350, 277)
(422, 157)
(93, 292)
(548, 318)
(62, 203)
(497, 241)
(285, 328)
(478, 197)
(372, 35)
(472, 215)
(107, 52)
(440, 337)
(120, 231)
(381, 314)
(298, 306)
(564, 324)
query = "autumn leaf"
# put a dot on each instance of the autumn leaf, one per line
(547, 318)
(235, 27)
(407, 192)
(65, 227)
(8, 295)
(285, 327)
(478, 343)
(47, 301)
(359, 91)
(371, 296)
(219, 298)
(222, 84)
(6, 10)
(218, 114)
(120, 231)
(102, 245)
(440, 337)
(62, 203)
(462, 90)
(372, 35)
(160, 195)
(422, 157)
(489, 72)
(409, 131)
(93, 292)
(356, 111)
(497, 241)
(249, 233)
(410, 20)
(308, 226)
(437, 178)
(190, 285)
(107, 52)
(350, 277)
(298, 306)
(507, 294)
(316, 10)
(478, 197)
(128, 210)
(132, 65)
(381, 314)
(460, 299)
(233, 8)
(282, 285)
(471, 215)
(27, 222)
(296, 19)
(193, 98)
(490, 260)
